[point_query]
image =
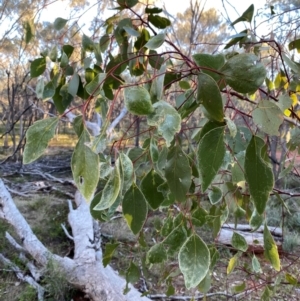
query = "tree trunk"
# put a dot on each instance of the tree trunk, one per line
(85, 271)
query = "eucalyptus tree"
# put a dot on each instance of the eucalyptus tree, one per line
(195, 177)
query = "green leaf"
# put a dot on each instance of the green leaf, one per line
(149, 186)
(64, 60)
(38, 137)
(244, 73)
(37, 67)
(126, 171)
(211, 153)
(291, 279)
(153, 10)
(29, 30)
(246, 16)
(271, 252)
(87, 43)
(68, 50)
(60, 23)
(157, 87)
(95, 86)
(40, 88)
(111, 190)
(49, 91)
(267, 294)
(194, 261)
(237, 38)
(208, 94)
(215, 195)
(153, 150)
(156, 254)
(240, 287)
(284, 102)
(231, 126)
(268, 117)
(178, 173)
(158, 21)
(131, 31)
(198, 217)
(109, 253)
(239, 242)
(256, 265)
(85, 167)
(104, 42)
(237, 168)
(185, 85)
(73, 85)
(258, 174)
(155, 41)
(232, 263)
(295, 45)
(205, 284)
(256, 220)
(133, 273)
(210, 64)
(127, 3)
(166, 119)
(138, 100)
(175, 239)
(155, 60)
(134, 208)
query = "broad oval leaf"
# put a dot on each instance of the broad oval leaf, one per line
(111, 190)
(156, 254)
(178, 173)
(271, 252)
(208, 94)
(94, 87)
(110, 249)
(127, 3)
(210, 63)
(149, 187)
(138, 100)
(37, 67)
(258, 174)
(239, 242)
(215, 195)
(104, 42)
(134, 208)
(166, 119)
(85, 167)
(126, 171)
(73, 85)
(38, 137)
(268, 117)
(244, 73)
(232, 263)
(87, 43)
(155, 41)
(194, 261)
(158, 21)
(211, 153)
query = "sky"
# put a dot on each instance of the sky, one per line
(234, 9)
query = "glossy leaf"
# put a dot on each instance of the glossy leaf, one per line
(85, 167)
(258, 174)
(111, 190)
(166, 119)
(149, 187)
(38, 67)
(239, 242)
(211, 153)
(155, 41)
(268, 117)
(194, 261)
(134, 208)
(178, 173)
(38, 137)
(208, 94)
(271, 251)
(244, 73)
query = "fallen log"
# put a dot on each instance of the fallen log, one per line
(254, 240)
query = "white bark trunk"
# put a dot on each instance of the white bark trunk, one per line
(85, 271)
